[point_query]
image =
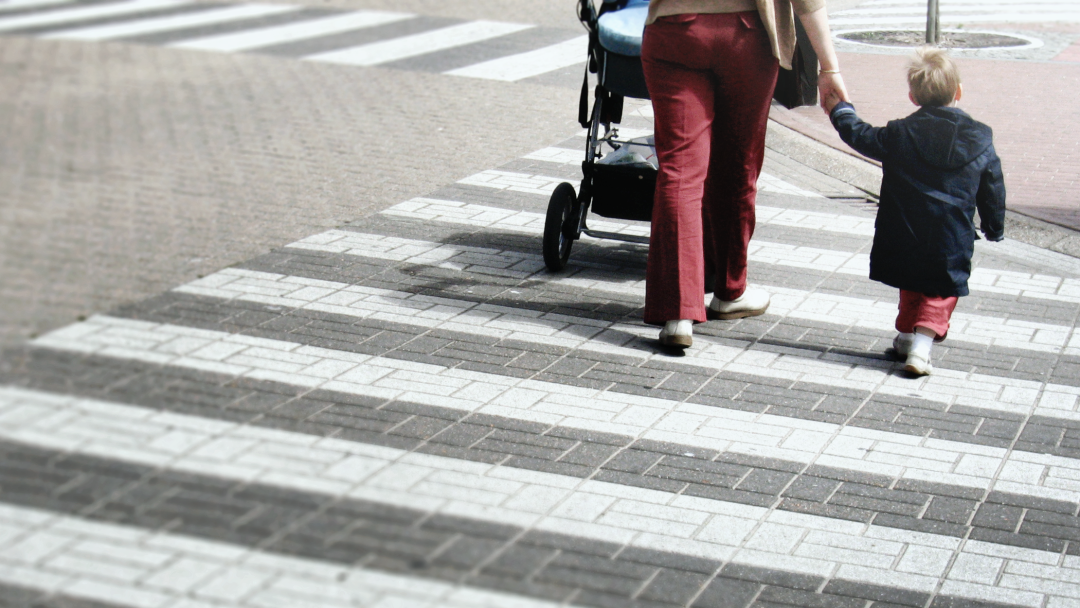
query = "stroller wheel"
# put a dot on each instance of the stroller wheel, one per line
(558, 227)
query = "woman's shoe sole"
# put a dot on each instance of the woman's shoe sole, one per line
(712, 315)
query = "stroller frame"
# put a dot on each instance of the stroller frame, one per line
(613, 191)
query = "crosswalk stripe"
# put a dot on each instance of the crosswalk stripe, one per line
(979, 390)
(291, 32)
(16, 5)
(787, 302)
(533, 500)
(404, 47)
(84, 13)
(985, 280)
(708, 427)
(174, 22)
(766, 182)
(558, 329)
(1037, 335)
(532, 63)
(101, 562)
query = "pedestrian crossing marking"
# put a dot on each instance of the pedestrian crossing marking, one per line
(532, 63)
(174, 22)
(376, 53)
(18, 5)
(291, 32)
(182, 570)
(83, 13)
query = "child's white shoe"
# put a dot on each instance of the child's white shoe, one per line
(918, 365)
(918, 355)
(677, 334)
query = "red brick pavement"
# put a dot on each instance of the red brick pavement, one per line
(1032, 107)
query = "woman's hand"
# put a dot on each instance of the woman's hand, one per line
(831, 91)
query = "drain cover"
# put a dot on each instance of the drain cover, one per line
(949, 39)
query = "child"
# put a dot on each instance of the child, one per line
(939, 166)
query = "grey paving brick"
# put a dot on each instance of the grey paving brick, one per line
(590, 454)
(786, 580)
(828, 510)
(1003, 537)
(950, 510)
(875, 593)
(728, 593)
(810, 488)
(908, 522)
(775, 597)
(633, 461)
(675, 587)
(998, 517)
(1032, 502)
(670, 561)
(944, 601)
(763, 481)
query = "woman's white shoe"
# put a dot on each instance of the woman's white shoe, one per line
(677, 334)
(753, 302)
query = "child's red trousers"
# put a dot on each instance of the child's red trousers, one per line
(920, 310)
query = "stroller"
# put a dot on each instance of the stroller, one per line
(618, 191)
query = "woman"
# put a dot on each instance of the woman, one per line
(711, 67)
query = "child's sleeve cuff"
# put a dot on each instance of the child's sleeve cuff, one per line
(842, 108)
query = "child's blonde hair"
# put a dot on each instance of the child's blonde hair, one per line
(933, 77)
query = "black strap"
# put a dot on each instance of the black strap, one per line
(583, 103)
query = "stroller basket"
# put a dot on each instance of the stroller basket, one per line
(623, 191)
(618, 191)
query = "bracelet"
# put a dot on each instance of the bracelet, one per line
(828, 71)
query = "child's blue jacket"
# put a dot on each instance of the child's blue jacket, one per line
(939, 166)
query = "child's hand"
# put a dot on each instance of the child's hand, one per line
(832, 91)
(830, 101)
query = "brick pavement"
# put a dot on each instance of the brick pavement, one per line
(155, 166)
(405, 408)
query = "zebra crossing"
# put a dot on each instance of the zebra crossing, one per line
(411, 411)
(954, 13)
(490, 50)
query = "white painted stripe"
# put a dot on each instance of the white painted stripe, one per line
(123, 565)
(612, 338)
(83, 13)
(173, 22)
(291, 32)
(560, 330)
(842, 311)
(18, 5)
(766, 182)
(792, 439)
(532, 63)
(502, 495)
(419, 44)
(986, 280)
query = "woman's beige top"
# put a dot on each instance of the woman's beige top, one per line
(777, 16)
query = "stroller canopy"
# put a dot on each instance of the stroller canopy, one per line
(620, 30)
